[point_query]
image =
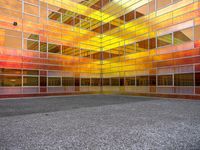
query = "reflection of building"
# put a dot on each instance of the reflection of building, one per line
(148, 47)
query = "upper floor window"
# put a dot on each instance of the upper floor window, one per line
(163, 3)
(164, 40)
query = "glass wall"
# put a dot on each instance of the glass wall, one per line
(49, 46)
(153, 46)
(97, 46)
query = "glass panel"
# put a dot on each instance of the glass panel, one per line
(54, 16)
(30, 81)
(183, 79)
(197, 33)
(12, 42)
(10, 71)
(68, 81)
(165, 80)
(130, 48)
(54, 81)
(95, 82)
(10, 80)
(43, 81)
(43, 47)
(122, 82)
(106, 82)
(32, 1)
(152, 43)
(130, 16)
(142, 46)
(152, 80)
(163, 3)
(85, 82)
(142, 11)
(130, 81)
(77, 81)
(31, 45)
(176, 1)
(68, 19)
(30, 72)
(164, 40)
(152, 6)
(31, 9)
(183, 36)
(66, 50)
(31, 36)
(53, 48)
(197, 79)
(142, 81)
(114, 81)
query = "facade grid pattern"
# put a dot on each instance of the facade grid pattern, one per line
(143, 47)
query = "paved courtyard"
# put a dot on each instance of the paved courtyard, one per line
(99, 122)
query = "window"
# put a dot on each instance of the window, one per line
(77, 81)
(196, 33)
(183, 36)
(152, 6)
(85, 82)
(99, 55)
(152, 43)
(95, 82)
(121, 81)
(31, 36)
(53, 48)
(84, 53)
(30, 72)
(10, 71)
(142, 81)
(85, 24)
(77, 52)
(68, 81)
(53, 15)
(31, 9)
(152, 80)
(10, 80)
(130, 16)
(31, 45)
(183, 79)
(43, 81)
(106, 81)
(114, 81)
(43, 47)
(142, 46)
(164, 40)
(30, 81)
(54, 81)
(142, 11)
(197, 79)
(68, 19)
(31, 41)
(165, 80)
(66, 50)
(130, 48)
(130, 81)
(163, 3)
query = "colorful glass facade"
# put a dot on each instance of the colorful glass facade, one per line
(143, 47)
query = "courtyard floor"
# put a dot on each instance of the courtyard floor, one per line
(99, 122)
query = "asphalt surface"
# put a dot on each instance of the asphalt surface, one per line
(99, 122)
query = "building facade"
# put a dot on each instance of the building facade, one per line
(137, 47)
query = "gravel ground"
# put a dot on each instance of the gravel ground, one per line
(99, 122)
